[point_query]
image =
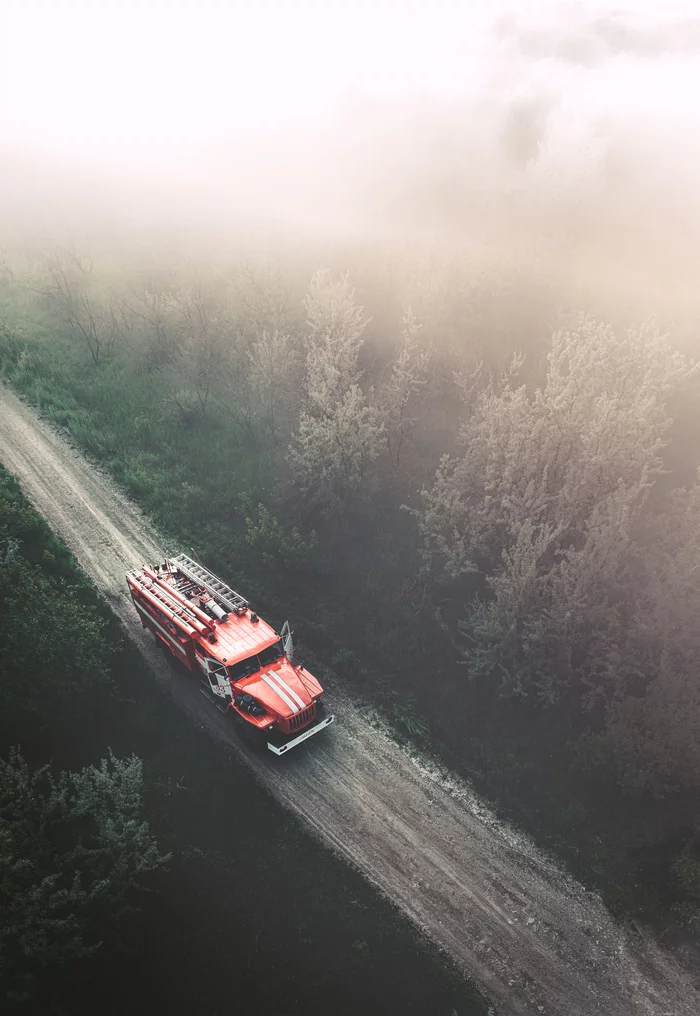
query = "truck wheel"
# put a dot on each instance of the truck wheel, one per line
(172, 660)
(251, 737)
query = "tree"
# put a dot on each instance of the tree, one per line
(262, 362)
(203, 332)
(73, 849)
(339, 434)
(499, 629)
(553, 455)
(262, 300)
(276, 545)
(408, 376)
(273, 377)
(335, 327)
(85, 303)
(554, 621)
(46, 666)
(652, 740)
(332, 453)
(151, 309)
(562, 474)
(652, 735)
(669, 591)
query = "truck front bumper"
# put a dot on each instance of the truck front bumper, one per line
(281, 749)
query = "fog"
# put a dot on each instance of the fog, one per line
(564, 138)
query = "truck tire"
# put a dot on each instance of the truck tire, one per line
(253, 738)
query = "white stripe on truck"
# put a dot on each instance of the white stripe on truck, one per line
(278, 679)
(278, 691)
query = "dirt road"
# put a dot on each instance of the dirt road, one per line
(534, 939)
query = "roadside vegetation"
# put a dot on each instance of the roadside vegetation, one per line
(141, 868)
(74, 845)
(472, 495)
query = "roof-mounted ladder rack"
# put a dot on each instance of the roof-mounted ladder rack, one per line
(157, 591)
(193, 570)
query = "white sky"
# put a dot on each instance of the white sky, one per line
(149, 78)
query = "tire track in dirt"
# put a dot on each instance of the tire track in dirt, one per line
(513, 921)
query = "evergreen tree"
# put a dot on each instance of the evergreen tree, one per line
(73, 848)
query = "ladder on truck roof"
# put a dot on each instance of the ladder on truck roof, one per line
(183, 615)
(198, 573)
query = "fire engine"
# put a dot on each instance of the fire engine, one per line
(246, 667)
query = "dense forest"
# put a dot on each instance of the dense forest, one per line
(478, 490)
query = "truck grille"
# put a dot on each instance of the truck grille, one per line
(302, 718)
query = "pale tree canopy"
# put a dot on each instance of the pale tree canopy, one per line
(339, 434)
(335, 327)
(199, 318)
(555, 618)
(332, 454)
(273, 375)
(409, 374)
(546, 499)
(553, 455)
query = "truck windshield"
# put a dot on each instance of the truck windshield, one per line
(243, 668)
(253, 663)
(272, 653)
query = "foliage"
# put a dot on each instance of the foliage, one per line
(334, 336)
(201, 325)
(73, 845)
(545, 509)
(53, 645)
(408, 376)
(652, 736)
(558, 480)
(73, 848)
(274, 544)
(407, 717)
(652, 739)
(273, 376)
(339, 435)
(333, 453)
(91, 313)
(555, 455)
(149, 311)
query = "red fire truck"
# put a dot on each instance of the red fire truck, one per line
(246, 667)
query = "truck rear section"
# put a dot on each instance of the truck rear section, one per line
(245, 666)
